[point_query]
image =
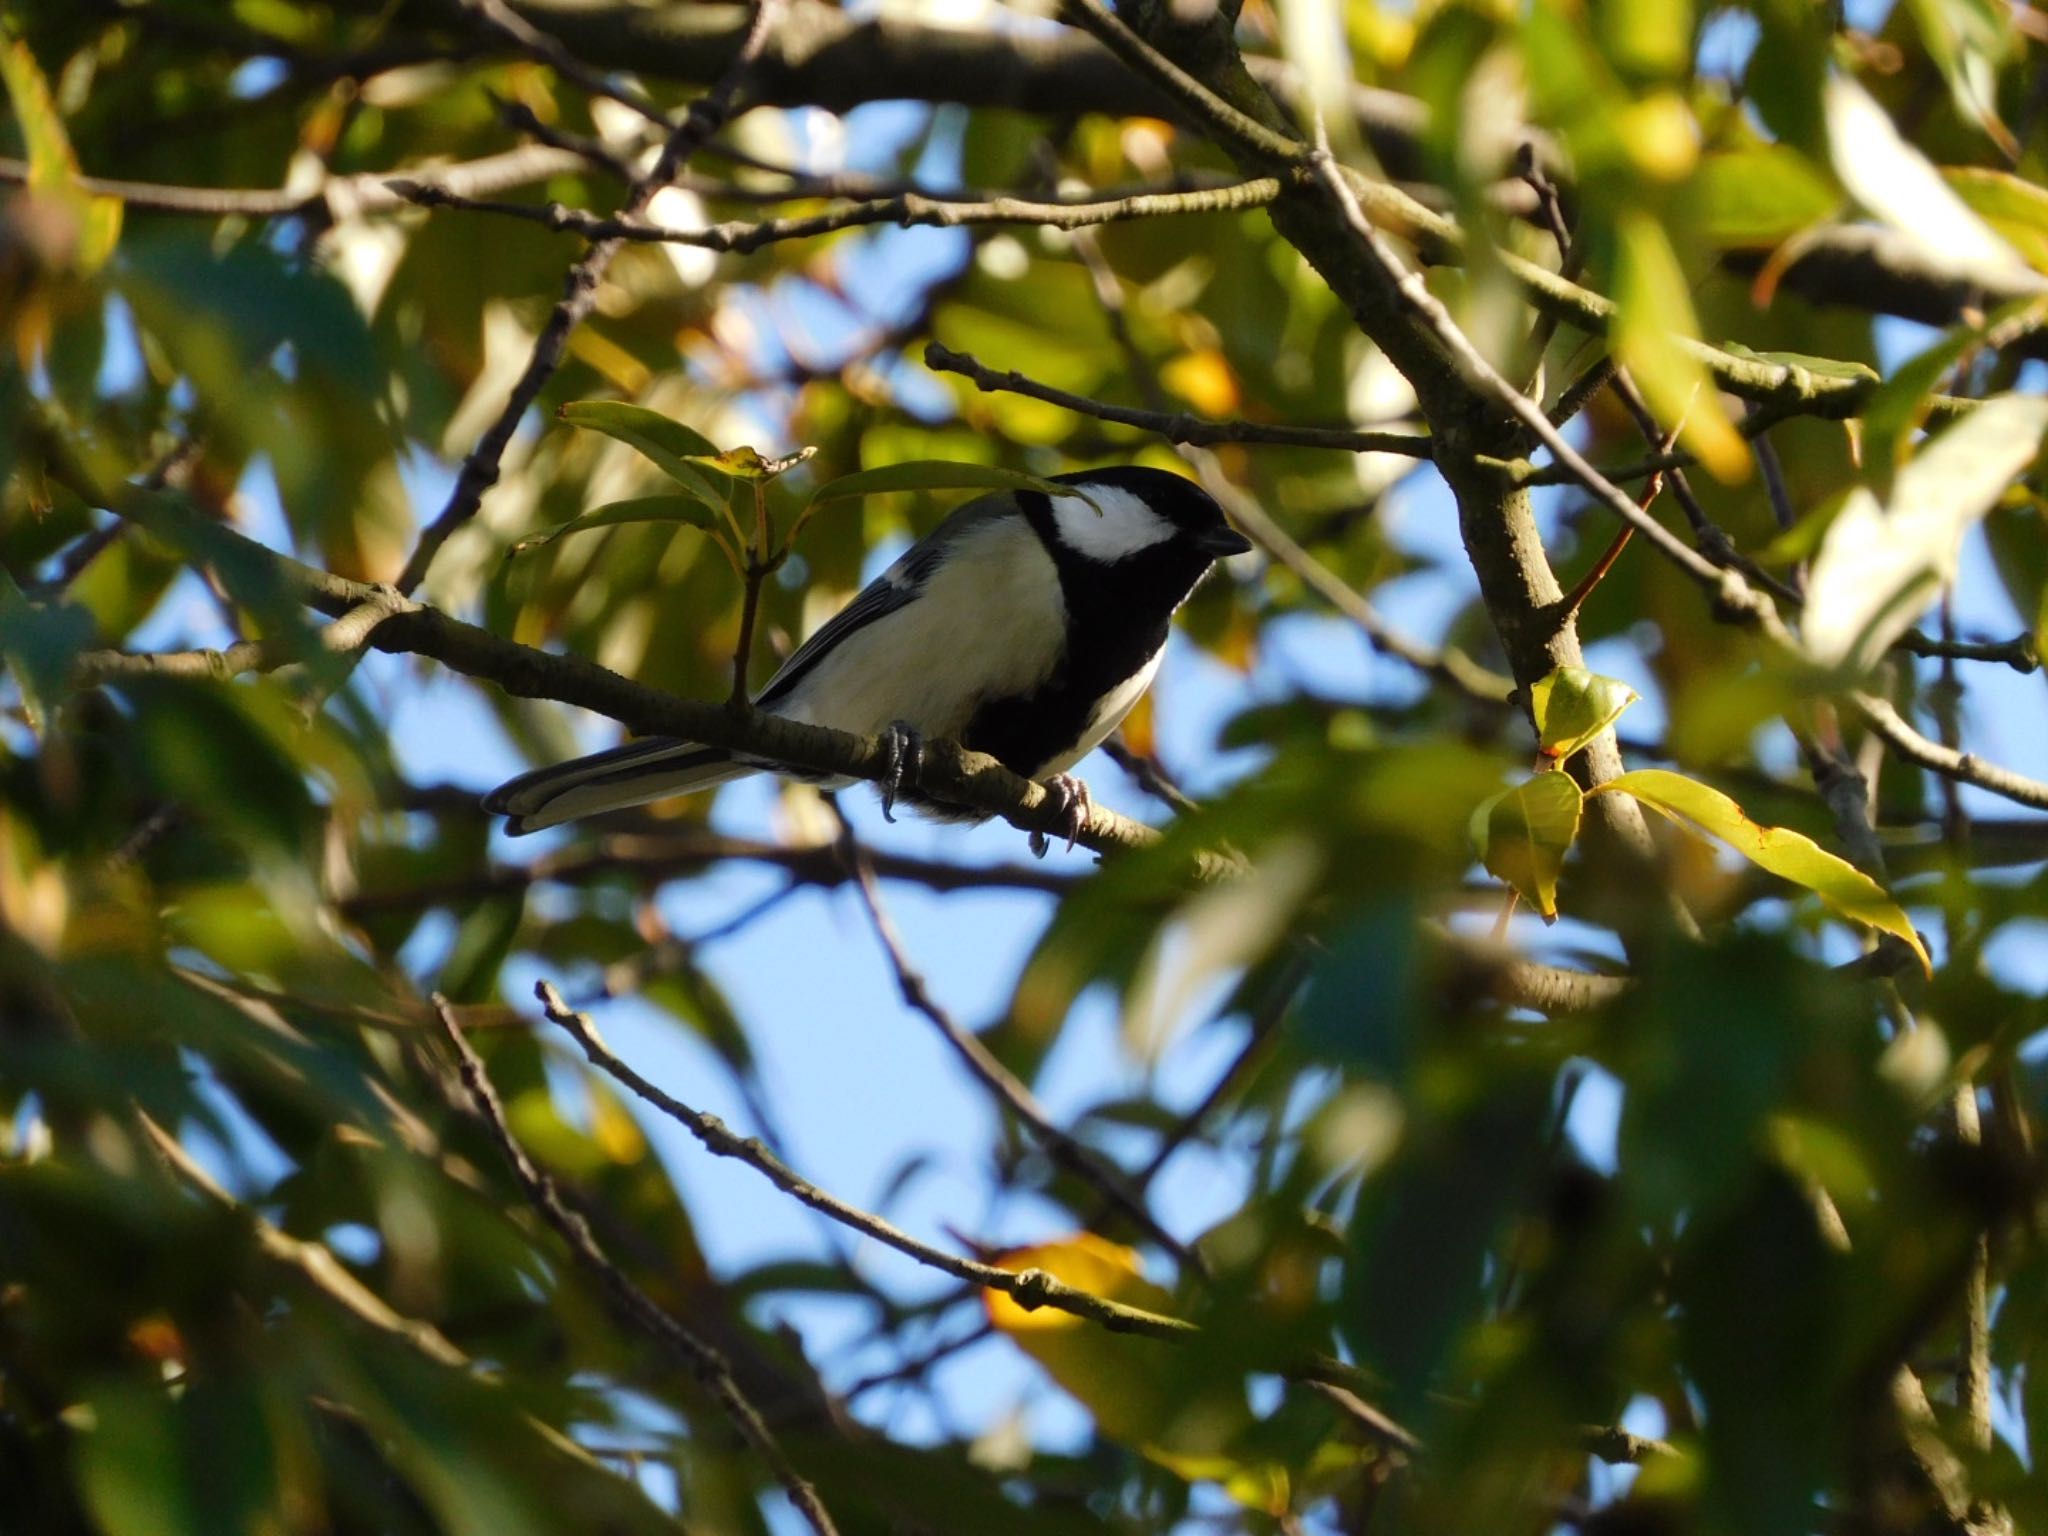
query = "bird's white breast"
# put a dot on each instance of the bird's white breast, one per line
(1109, 713)
(990, 623)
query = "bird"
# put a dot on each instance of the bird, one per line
(1025, 625)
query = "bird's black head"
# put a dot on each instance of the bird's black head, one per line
(1133, 513)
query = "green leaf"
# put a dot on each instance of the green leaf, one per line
(1790, 855)
(938, 475)
(2015, 209)
(39, 641)
(636, 509)
(1898, 407)
(52, 168)
(1523, 834)
(1968, 41)
(1572, 706)
(671, 447)
(1880, 566)
(1759, 195)
(1898, 184)
(1655, 305)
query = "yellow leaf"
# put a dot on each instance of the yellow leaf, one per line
(1200, 1430)
(1843, 887)
(1523, 834)
(1204, 379)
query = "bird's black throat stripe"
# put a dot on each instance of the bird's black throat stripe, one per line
(1117, 618)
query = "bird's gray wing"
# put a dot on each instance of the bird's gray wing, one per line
(895, 588)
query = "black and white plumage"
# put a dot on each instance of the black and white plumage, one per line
(1024, 626)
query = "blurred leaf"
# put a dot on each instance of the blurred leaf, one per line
(40, 641)
(1426, 1222)
(1571, 706)
(1759, 195)
(1898, 184)
(1656, 308)
(52, 168)
(938, 475)
(1880, 568)
(1898, 407)
(2016, 209)
(1969, 39)
(1523, 834)
(1789, 855)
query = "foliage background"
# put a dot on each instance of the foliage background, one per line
(1751, 1246)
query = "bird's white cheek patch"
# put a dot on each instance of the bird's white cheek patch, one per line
(1122, 527)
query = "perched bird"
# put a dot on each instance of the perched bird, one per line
(1024, 626)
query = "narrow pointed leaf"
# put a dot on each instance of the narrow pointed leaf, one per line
(639, 509)
(1523, 834)
(1881, 566)
(674, 449)
(1790, 855)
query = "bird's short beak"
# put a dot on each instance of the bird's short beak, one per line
(1221, 541)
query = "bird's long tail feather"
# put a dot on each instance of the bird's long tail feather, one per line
(633, 774)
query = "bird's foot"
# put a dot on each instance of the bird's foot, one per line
(903, 744)
(1075, 803)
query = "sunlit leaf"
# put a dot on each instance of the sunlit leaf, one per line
(52, 168)
(1897, 183)
(1571, 706)
(1792, 856)
(2015, 208)
(1523, 834)
(1759, 195)
(746, 463)
(674, 449)
(1880, 566)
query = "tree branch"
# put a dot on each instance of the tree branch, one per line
(1195, 431)
(1032, 1288)
(1965, 767)
(704, 1361)
(579, 296)
(999, 1080)
(904, 209)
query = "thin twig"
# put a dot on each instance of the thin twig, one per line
(665, 855)
(579, 296)
(1197, 431)
(2020, 652)
(363, 192)
(701, 1358)
(1966, 767)
(1008, 1088)
(906, 210)
(1031, 1288)
(536, 44)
